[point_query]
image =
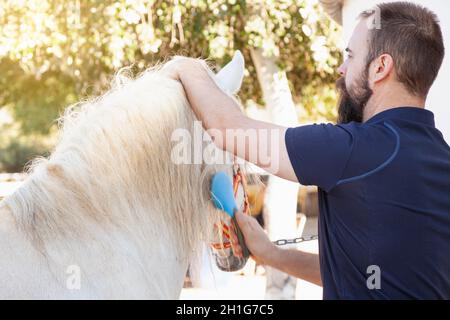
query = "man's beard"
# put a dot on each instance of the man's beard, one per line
(351, 105)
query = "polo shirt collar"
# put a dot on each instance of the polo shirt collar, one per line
(414, 114)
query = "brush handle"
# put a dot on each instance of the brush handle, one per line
(245, 251)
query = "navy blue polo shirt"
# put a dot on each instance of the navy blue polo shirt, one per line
(384, 199)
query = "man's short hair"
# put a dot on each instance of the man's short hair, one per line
(411, 34)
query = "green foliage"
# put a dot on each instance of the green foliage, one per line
(15, 155)
(35, 102)
(53, 53)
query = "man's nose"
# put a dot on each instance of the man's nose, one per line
(341, 69)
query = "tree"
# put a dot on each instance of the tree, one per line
(280, 201)
(54, 53)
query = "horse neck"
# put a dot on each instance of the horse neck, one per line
(6, 217)
(145, 217)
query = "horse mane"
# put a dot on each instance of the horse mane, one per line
(111, 170)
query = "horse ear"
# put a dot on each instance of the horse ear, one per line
(229, 78)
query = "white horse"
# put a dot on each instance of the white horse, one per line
(108, 215)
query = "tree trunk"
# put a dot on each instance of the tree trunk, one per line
(280, 203)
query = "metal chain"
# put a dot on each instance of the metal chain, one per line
(282, 242)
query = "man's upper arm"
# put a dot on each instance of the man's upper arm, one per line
(319, 153)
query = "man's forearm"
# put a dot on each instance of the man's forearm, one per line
(296, 263)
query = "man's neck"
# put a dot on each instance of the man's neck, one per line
(389, 99)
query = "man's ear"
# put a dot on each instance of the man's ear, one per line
(229, 78)
(382, 67)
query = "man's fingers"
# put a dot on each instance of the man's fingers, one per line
(242, 219)
(178, 63)
(236, 249)
(235, 243)
(237, 252)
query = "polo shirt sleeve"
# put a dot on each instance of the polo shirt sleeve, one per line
(319, 153)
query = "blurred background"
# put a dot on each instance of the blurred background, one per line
(54, 53)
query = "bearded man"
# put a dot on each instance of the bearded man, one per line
(383, 171)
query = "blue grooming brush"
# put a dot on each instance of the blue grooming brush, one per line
(223, 198)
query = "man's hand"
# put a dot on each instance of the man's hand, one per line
(178, 65)
(261, 248)
(295, 262)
